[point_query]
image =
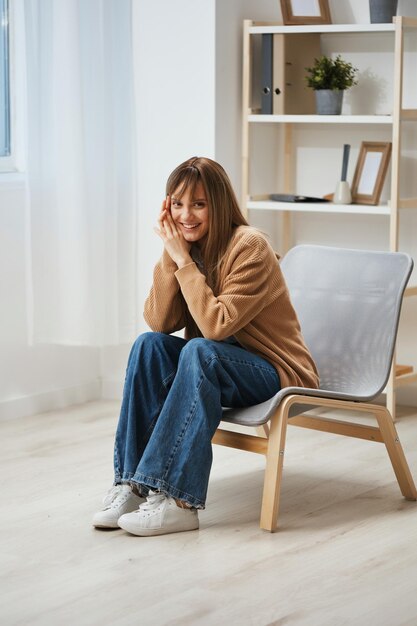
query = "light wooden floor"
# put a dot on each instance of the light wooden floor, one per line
(346, 552)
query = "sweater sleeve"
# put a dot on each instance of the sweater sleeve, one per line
(243, 294)
(164, 310)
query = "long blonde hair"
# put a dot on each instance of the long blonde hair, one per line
(224, 213)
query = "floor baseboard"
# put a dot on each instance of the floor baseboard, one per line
(50, 400)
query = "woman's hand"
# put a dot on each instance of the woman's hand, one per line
(174, 242)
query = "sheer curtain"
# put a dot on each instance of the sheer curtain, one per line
(81, 167)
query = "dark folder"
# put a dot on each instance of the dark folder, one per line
(266, 107)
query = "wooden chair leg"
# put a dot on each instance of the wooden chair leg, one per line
(273, 469)
(396, 454)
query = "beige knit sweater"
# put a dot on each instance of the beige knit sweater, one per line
(253, 304)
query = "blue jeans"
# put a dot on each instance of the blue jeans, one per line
(172, 404)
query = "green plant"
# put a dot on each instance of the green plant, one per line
(327, 73)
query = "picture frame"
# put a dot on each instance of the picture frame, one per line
(371, 168)
(295, 12)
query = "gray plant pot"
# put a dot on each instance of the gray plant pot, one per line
(382, 11)
(329, 101)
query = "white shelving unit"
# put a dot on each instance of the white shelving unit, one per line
(400, 375)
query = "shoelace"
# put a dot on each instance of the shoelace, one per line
(115, 497)
(153, 501)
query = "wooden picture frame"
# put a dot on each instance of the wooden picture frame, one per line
(295, 12)
(370, 171)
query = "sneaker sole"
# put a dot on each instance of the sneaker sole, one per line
(150, 532)
(107, 526)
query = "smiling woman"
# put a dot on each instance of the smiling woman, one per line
(219, 279)
(202, 179)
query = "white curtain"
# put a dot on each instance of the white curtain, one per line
(81, 166)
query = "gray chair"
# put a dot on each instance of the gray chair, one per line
(348, 303)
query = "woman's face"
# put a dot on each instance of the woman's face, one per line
(191, 213)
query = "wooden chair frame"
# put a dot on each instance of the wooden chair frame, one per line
(272, 444)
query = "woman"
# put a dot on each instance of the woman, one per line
(220, 280)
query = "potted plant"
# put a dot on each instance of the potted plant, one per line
(329, 78)
(382, 11)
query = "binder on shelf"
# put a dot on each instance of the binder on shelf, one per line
(291, 55)
(267, 42)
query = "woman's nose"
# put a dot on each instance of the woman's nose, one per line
(186, 211)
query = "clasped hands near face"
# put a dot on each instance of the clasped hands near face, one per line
(182, 222)
(175, 244)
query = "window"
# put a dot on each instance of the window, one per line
(4, 80)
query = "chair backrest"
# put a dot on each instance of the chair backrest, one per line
(348, 303)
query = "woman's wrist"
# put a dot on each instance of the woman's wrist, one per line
(183, 261)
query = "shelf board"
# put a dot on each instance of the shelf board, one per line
(405, 379)
(404, 375)
(318, 207)
(321, 119)
(407, 203)
(408, 115)
(400, 370)
(410, 291)
(322, 28)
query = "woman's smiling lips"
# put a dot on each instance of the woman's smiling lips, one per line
(189, 226)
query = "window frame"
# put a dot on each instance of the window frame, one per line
(9, 163)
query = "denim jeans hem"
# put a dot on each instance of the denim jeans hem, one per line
(167, 489)
(127, 479)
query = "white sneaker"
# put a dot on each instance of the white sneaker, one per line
(159, 515)
(119, 499)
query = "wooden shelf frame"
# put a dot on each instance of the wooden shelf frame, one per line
(400, 115)
(320, 119)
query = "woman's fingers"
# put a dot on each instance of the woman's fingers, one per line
(162, 215)
(163, 209)
(167, 221)
(172, 225)
(160, 233)
(167, 227)
(168, 218)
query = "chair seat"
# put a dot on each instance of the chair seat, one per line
(259, 414)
